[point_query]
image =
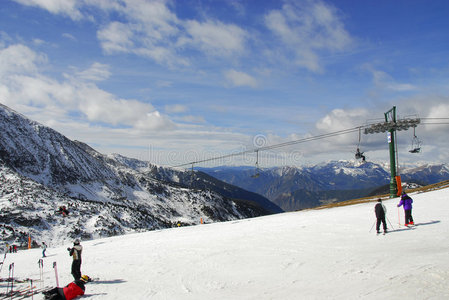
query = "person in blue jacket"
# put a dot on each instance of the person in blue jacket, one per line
(406, 202)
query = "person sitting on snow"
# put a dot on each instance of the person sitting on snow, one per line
(69, 292)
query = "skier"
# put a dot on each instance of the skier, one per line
(44, 248)
(69, 292)
(380, 211)
(63, 211)
(406, 202)
(75, 252)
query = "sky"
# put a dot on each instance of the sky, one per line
(311, 254)
(175, 82)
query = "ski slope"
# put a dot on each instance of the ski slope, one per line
(315, 254)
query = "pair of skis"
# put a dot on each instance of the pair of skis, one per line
(29, 291)
(24, 293)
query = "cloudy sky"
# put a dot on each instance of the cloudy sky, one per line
(180, 81)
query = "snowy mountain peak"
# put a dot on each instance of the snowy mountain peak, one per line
(40, 170)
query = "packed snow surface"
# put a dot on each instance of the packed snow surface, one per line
(315, 254)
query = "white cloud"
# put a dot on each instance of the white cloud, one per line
(193, 119)
(306, 29)
(69, 36)
(340, 119)
(116, 37)
(215, 38)
(151, 29)
(21, 83)
(237, 78)
(19, 59)
(96, 72)
(66, 7)
(164, 83)
(383, 80)
(38, 42)
(176, 109)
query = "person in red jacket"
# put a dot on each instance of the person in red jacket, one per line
(69, 292)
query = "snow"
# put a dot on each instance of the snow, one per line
(314, 254)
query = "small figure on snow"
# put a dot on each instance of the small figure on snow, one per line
(63, 211)
(44, 248)
(69, 292)
(381, 212)
(75, 252)
(406, 202)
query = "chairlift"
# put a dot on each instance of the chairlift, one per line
(257, 173)
(192, 175)
(416, 143)
(358, 153)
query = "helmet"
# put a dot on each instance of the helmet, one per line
(85, 278)
(76, 242)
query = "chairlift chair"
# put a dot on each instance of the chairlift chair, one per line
(257, 173)
(416, 143)
(358, 153)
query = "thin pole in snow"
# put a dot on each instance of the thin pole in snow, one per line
(372, 226)
(56, 273)
(390, 224)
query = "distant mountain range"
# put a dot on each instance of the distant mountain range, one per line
(294, 188)
(41, 170)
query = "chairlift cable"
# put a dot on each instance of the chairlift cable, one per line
(290, 143)
(300, 141)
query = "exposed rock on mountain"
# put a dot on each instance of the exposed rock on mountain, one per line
(294, 188)
(41, 170)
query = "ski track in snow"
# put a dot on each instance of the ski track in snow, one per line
(314, 254)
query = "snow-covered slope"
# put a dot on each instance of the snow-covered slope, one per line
(315, 254)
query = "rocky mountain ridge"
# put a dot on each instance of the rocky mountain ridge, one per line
(294, 188)
(41, 170)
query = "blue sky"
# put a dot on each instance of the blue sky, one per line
(180, 81)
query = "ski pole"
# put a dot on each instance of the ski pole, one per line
(41, 271)
(56, 273)
(399, 218)
(31, 285)
(390, 223)
(3, 262)
(372, 226)
(10, 287)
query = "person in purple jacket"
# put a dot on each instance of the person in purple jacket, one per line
(406, 202)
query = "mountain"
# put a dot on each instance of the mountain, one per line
(202, 181)
(42, 170)
(294, 188)
(426, 173)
